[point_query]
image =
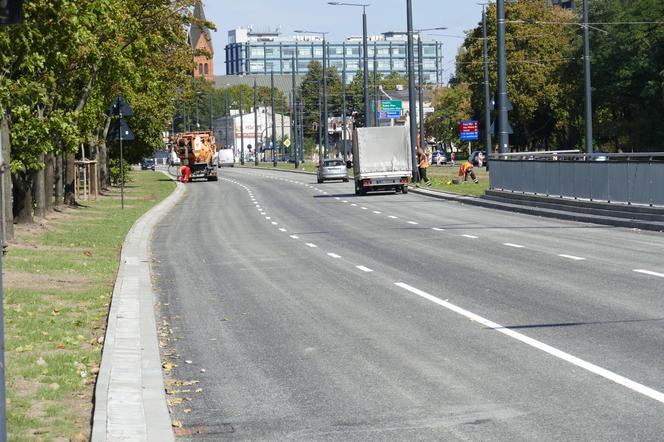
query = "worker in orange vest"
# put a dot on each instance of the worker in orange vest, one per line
(467, 169)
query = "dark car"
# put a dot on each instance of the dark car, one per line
(147, 164)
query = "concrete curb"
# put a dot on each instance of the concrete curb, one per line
(130, 401)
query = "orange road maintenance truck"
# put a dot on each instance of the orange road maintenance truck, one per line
(196, 151)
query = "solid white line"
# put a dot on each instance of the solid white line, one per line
(313, 246)
(295, 237)
(437, 229)
(516, 246)
(575, 258)
(413, 223)
(634, 386)
(470, 236)
(393, 217)
(364, 269)
(333, 255)
(283, 230)
(377, 212)
(648, 272)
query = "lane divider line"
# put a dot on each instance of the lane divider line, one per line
(413, 223)
(364, 269)
(470, 236)
(516, 246)
(333, 255)
(393, 217)
(648, 272)
(614, 377)
(294, 236)
(283, 230)
(572, 257)
(313, 246)
(437, 229)
(377, 212)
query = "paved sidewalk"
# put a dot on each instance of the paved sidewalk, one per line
(130, 402)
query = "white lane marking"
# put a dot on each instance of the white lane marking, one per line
(275, 223)
(333, 255)
(283, 230)
(648, 272)
(344, 201)
(267, 217)
(516, 246)
(470, 236)
(437, 229)
(575, 258)
(294, 236)
(337, 198)
(365, 208)
(413, 223)
(354, 205)
(635, 386)
(393, 217)
(364, 269)
(377, 212)
(313, 246)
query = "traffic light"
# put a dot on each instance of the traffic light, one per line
(11, 12)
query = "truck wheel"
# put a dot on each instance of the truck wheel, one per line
(404, 189)
(212, 178)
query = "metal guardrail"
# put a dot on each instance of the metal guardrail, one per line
(629, 178)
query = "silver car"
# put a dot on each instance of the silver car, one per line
(333, 169)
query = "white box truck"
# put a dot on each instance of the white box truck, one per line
(381, 159)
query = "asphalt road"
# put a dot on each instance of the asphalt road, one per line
(319, 315)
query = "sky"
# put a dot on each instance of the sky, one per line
(341, 22)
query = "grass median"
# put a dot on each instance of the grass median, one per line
(58, 278)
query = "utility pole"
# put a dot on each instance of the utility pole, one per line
(326, 132)
(281, 117)
(503, 124)
(588, 85)
(375, 85)
(487, 92)
(274, 123)
(420, 66)
(411, 92)
(295, 115)
(255, 128)
(343, 110)
(241, 131)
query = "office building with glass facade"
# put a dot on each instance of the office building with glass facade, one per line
(261, 53)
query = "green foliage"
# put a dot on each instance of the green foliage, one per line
(451, 104)
(116, 172)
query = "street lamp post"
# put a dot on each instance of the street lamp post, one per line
(295, 117)
(241, 131)
(411, 93)
(365, 56)
(375, 85)
(420, 67)
(274, 122)
(343, 109)
(255, 128)
(487, 92)
(503, 135)
(586, 68)
(226, 117)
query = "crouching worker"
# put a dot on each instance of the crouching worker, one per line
(185, 174)
(467, 169)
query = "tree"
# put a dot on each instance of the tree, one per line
(452, 104)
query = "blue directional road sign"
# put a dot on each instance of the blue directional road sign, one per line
(392, 113)
(469, 130)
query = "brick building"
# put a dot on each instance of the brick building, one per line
(200, 39)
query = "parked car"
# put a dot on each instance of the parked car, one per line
(438, 157)
(147, 164)
(333, 169)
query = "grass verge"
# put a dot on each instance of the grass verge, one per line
(59, 277)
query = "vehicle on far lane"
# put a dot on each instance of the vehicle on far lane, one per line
(333, 169)
(147, 164)
(438, 157)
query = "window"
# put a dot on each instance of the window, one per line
(352, 50)
(206, 69)
(399, 51)
(351, 65)
(271, 52)
(257, 66)
(304, 52)
(318, 51)
(200, 69)
(257, 52)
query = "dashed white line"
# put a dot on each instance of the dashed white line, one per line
(437, 229)
(364, 269)
(337, 198)
(365, 208)
(648, 272)
(393, 217)
(470, 236)
(283, 230)
(274, 223)
(333, 255)
(354, 205)
(413, 223)
(267, 217)
(621, 380)
(344, 201)
(516, 246)
(377, 212)
(313, 246)
(294, 236)
(572, 257)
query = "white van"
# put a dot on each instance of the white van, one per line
(226, 158)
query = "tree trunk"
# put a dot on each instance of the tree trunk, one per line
(59, 186)
(6, 212)
(38, 179)
(49, 177)
(22, 181)
(104, 175)
(70, 179)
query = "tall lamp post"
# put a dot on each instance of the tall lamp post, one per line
(241, 131)
(294, 112)
(365, 56)
(325, 131)
(503, 135)
(411, 93)
(487, 92)
(255, 128)
(586, 68)
(274, 123)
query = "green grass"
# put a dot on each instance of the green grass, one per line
(306, 167)
(55, 315)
